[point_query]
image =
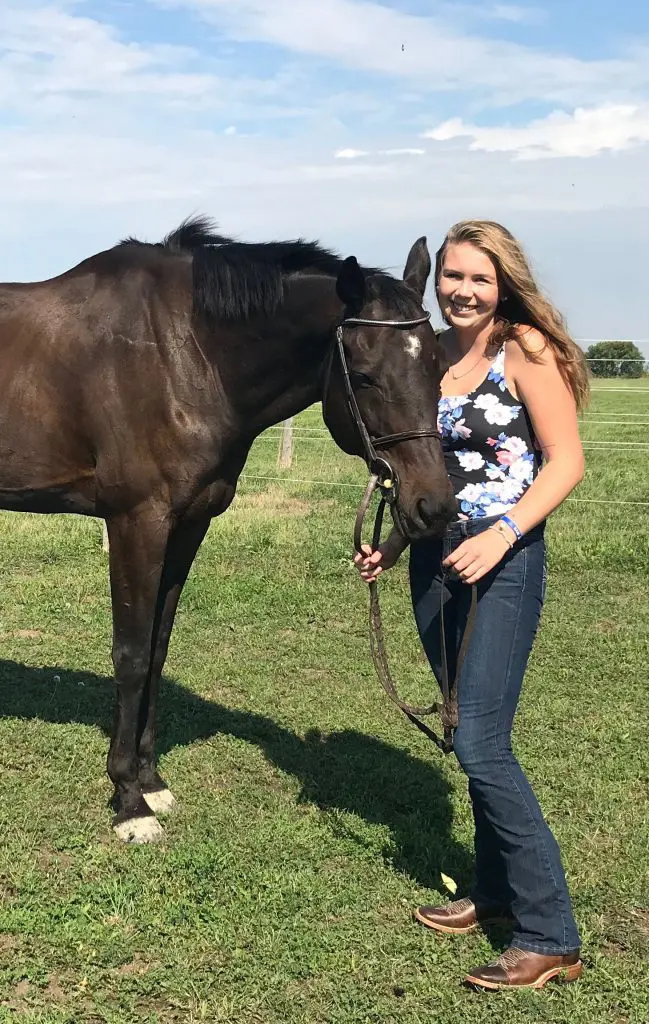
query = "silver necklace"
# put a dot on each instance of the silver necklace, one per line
(458, 376)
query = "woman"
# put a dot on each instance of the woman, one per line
(508, 419)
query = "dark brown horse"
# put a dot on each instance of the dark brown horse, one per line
(132, 388)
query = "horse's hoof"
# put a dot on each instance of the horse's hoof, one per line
(139, 830)
(161, 801)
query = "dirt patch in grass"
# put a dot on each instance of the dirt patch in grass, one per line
(17, 1000)
(318, 675)
(640, 918)
(48, 859)
(8, 891)
(136, 966)
(606, 626)
(627, 932)
(53, 990)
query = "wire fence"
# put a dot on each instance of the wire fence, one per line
(315, 436)
(359, 488)
(317, 458)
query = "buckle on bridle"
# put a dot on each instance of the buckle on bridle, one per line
(387, 480)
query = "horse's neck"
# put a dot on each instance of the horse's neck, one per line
(281, 370)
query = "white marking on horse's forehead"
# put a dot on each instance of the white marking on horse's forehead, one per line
(413, 345)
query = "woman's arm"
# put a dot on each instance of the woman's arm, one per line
(552, 410)
(553, 413)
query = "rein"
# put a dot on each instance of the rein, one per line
(385, 480)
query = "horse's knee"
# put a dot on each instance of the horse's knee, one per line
(131, 665)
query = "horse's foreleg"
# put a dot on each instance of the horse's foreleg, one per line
(138, 543)
(183, 544)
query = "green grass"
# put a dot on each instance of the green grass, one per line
(313, 816)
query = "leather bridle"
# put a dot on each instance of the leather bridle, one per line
(384, 478)
(382, 475)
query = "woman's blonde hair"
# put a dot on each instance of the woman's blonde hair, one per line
(521, 301)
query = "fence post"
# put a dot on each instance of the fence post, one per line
(285, 453)
(104, 536)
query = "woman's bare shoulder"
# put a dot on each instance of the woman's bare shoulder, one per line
(529, 344)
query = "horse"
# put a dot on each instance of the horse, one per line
(133, 386)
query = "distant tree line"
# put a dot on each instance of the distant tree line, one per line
(616, 359)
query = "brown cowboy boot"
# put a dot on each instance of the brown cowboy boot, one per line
(520, 968)
(462, 916)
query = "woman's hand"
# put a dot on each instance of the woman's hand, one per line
(372, 563)
(477, 556)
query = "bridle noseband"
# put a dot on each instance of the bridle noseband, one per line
(382, 475)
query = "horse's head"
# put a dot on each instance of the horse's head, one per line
(394, 379)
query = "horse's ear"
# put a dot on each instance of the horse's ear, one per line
(418, 267)
(350, 284)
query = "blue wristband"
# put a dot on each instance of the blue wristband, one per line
(512, 526)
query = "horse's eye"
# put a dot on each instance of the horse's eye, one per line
(360, 380)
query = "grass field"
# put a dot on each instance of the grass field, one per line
(313, 817)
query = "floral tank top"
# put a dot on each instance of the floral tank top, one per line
(490, 452)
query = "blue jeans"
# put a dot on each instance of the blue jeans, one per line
(518, 864)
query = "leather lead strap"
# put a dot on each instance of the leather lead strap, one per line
(448, 709)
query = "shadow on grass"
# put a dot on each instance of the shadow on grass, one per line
(346, 770)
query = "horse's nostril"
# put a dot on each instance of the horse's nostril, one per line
(431, 510)
(428, 510)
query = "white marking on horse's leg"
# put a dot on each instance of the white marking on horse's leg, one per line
(161, 801)
(413, 345)
(140, 830)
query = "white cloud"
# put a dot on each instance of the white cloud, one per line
(498, 12)
(515, 13)
(366, 35)
(55, 63)
(356, 154)
(47, 51)
(105, 137)
(584, 133)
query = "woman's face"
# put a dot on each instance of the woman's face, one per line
(468, 290)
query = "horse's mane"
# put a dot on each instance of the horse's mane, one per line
(235, 280)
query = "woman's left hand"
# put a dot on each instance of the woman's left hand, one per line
(477, 556)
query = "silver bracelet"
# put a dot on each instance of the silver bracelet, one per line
(499, 528)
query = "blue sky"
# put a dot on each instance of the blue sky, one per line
(362, 123)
